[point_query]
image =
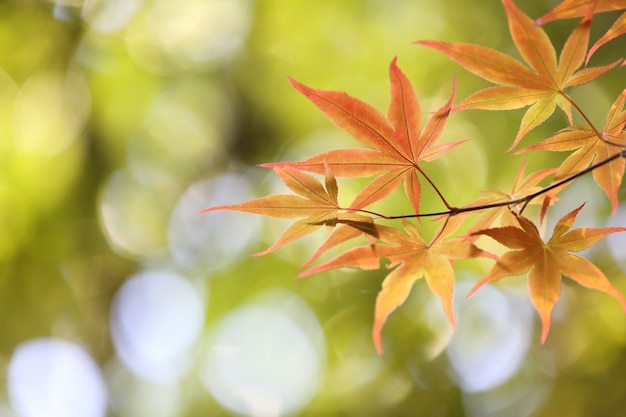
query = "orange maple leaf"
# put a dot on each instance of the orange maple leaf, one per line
(590, 147)
(617, 29)
(541, 86)
(412, 259)
(568, 9)
(578, 8)
(316, 203)
(397, 143)
(546, 262)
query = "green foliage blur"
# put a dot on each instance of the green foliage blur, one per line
(120, 120)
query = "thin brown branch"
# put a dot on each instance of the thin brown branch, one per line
(599, 134)
(452, 211)
(432, 184)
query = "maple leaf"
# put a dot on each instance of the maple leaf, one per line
(347, 228)
(577, 8)
(617, 29)
(397, 143)
(315, 203)
(568, 9)
(589, 147)
(546, 262)
(541, 86)
(412, 259)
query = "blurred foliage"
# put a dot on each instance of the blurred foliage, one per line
(121, 119)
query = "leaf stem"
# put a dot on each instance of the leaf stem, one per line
(440, 231)
(432, 184)
(584, 116)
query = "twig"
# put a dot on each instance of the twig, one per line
(452, 211)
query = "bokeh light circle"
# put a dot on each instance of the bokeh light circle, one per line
(265, 358)
(50, 112)
(133, 215)
(491, 340)
(156, 317)
(108, 16)
(173, 34)
(212, 240)
(55, 378)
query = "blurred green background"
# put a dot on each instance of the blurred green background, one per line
(121, 119)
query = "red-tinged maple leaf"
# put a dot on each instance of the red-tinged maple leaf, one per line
(541, 86)
(315, 203)
(568, 9)
(412, 259)
(397, 143)
(588, 148)
(546, 262)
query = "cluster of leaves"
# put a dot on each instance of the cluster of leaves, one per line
(396, 146)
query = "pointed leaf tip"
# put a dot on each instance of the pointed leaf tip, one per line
(378, 341)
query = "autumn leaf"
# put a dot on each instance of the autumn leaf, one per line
(315, 203)
(578, 8)
(589, 147)
(568, 9)
(349, 226)
(539, 85)
(412, 259)
(546, 262)
(617, 29)
(397, 144)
